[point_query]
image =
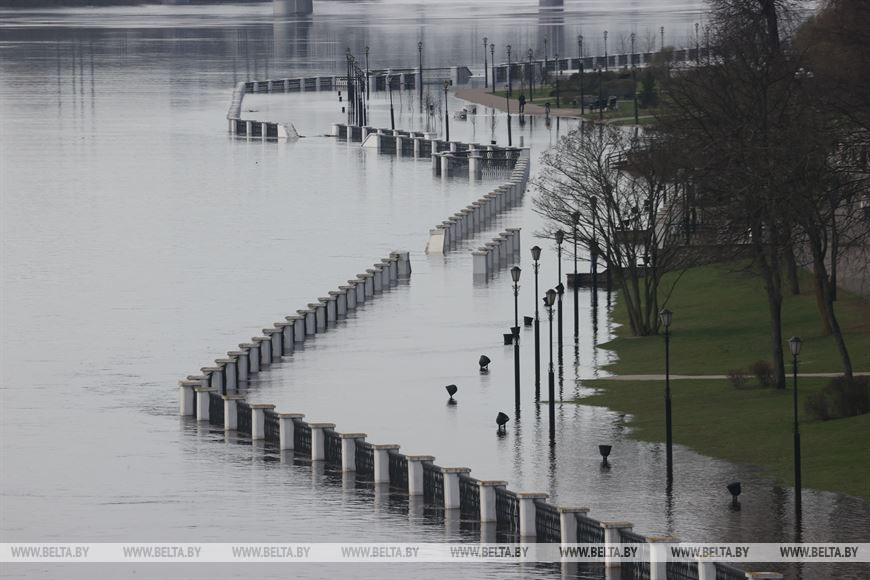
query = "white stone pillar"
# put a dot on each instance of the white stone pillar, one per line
(318, 440)
(706, 570)
(568, 523)
(231, 417)
(479, 263)
(386, 280)
(241, 363)
(491, 265)
(339, 297)
(437, 238)
(487, 499)
(249, 129)
(415, 473)
(258, 420)
(475, 166)
(382, 461)
(515, 239)
(350, 295)
(377, 277)
(253, 356)
(331, 308)
(287, 341)
(265, 345)
(202, 403)
(187, 397)
(369, 279)
(528, 511)
(361, 291)
(215, 378)
(286, 428)
(275, 340)
(445, 165)
(451, 486)
(658, 556)
(310, 322)
(404, 263)
(227, 367)
(394, 267)
(319, 316)
(348, 450)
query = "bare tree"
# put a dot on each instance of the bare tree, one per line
(616, 186)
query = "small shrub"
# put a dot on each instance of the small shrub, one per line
(763, 373)
(737, 378)
(840, 398)
(817, 406)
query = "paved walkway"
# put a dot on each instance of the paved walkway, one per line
(487, 99)
(704, 377)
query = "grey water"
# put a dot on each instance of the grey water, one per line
(140, 242)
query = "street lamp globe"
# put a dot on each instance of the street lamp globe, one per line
(666, 316)
(794, 344)
(575, 217)
(536, 253)
(560, 236)
(551, 298)
(515, 274)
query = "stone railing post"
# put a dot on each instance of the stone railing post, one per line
(287, 339)
(382, 461)
(286, 429)
(487, 499)
(187, 397)
(231, 417)
(348, 450)
(568, 523)
(258, 420)
(242, 363)
(318, 440)
(658, 556)
(451, 486)
(612, 531)
(415, 473)
(202, 403)
(528, 511)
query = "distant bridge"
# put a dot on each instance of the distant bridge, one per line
(304, 7)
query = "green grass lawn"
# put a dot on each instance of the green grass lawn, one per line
(721, 323)
(750, 426)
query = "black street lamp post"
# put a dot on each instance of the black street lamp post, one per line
(575, 219)
(558, 77)
(531, 76)
(507, 100)
(666, 316)
(580, 61)
(420, 66)
(367, 73)
(536, 256)
(600, 96)
(634, 81)
(492, 64)
(509, 75)
(515, 276)
(446, 118)
(560, 237)
(549, 300)
(794, 344)
(392, 114)
(606, 58)
(485, 69)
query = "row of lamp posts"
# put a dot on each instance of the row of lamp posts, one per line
(554, 296)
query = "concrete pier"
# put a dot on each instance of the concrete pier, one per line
(258, 420)
(451, 486)
(415, 473)
(487, 491)
(348, 450)
(382, 461)
(528, 510)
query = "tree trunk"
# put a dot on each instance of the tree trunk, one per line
(829, 315)
(819, 281)
(792, 270)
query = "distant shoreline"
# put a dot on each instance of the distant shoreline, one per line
(106, 3)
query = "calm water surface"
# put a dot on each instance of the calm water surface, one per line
(140, 243)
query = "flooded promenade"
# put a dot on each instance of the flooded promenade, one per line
(140, 242)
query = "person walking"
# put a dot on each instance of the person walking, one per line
(522, 104)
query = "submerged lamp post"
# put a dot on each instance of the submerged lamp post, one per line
(794, 344)
(446, 119)
(531, 77)
(515, 276)
(509, 75)
(593, 251)
(549, 300)
(485, 69)
(560, 237)
(666, 316)
(575, 219)
(536, 256)
(492, 64)
(392, 114)
(420, 65)
(367, 74)
(580, 50)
